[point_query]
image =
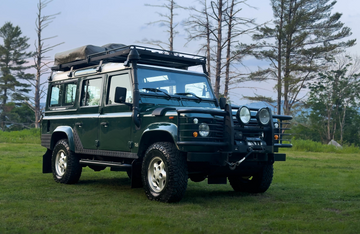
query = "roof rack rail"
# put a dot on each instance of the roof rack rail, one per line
(149, 56)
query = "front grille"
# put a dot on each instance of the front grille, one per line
(187, 127)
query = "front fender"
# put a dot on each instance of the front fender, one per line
(170, 128)
(60, 131)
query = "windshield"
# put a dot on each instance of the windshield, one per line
(174, 83)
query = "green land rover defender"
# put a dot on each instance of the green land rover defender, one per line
(140, 110)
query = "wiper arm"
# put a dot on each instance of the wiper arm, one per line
(192, 94)
(157, 91)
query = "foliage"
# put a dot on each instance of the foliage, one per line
(310, 193)
(331, 95)
(13, 62)
(18, 117)
(332, 108)
(311, 126)
(305, 36)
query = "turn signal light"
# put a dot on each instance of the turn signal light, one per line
(276, 137)
(195, 134)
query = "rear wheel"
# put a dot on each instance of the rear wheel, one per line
(257, 183)
(164, 173)
(65, 164)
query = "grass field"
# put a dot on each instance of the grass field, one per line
(311, 193)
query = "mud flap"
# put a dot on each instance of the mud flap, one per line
(46, 167)
(136, 181)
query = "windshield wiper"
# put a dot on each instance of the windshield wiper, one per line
(157, 91)
(192, 94)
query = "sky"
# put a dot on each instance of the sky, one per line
(90, 22)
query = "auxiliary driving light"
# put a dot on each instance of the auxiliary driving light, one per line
(243, 115)
(263, 116)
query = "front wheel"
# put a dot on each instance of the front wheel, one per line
(257, 183)
(164, 173)
(65, 164)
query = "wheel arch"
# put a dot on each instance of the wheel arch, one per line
(63, 132)
(165, 132)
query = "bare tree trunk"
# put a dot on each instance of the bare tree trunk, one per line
(219, 48)
(38, 66)
(228, 50)
(171, 38)
(279, 78)
(208, 41)
(342, 124)
(42, 21)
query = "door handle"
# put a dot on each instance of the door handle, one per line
(105, 124)
(78, 124)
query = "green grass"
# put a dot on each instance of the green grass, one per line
(311, 193)
(312, 146)
(23, 136)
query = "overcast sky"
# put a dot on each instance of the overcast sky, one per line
(84, 22)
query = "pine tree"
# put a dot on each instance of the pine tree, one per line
(305, 36)
(13, 62)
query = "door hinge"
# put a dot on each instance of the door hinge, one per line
(97, 143)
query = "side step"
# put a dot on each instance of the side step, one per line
(116, 165)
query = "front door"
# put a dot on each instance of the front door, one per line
(115, 119)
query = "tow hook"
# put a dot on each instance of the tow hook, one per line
(233, 165)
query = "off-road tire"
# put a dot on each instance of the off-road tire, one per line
(257, 183)
(65, 164)
(162, 159)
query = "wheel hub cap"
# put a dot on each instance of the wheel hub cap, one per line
(61, 163)
(157, 174)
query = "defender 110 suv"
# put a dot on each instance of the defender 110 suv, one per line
(140, 110)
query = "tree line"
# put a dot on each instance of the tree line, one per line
(301, 43)
(19, 107)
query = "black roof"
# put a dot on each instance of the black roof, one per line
(149, 56)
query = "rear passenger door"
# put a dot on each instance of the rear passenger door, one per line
(87, 121)
(115, 118)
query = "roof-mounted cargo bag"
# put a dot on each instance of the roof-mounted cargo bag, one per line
(80, 53)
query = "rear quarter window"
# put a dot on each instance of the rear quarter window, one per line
(55, 98)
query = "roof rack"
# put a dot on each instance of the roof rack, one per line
(149, 56)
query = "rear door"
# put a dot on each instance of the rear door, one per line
(87, 121)
(115, 118)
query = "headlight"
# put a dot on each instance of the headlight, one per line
(263, 116)
(204, 129)
(243, 115)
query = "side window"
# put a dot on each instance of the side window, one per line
(91, 92)
(55, 95)
(119, 81)
(70, 93)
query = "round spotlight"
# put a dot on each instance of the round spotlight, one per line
(263, 116)
(243, 115)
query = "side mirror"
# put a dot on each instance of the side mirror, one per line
(222, 102)
(120, 95)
